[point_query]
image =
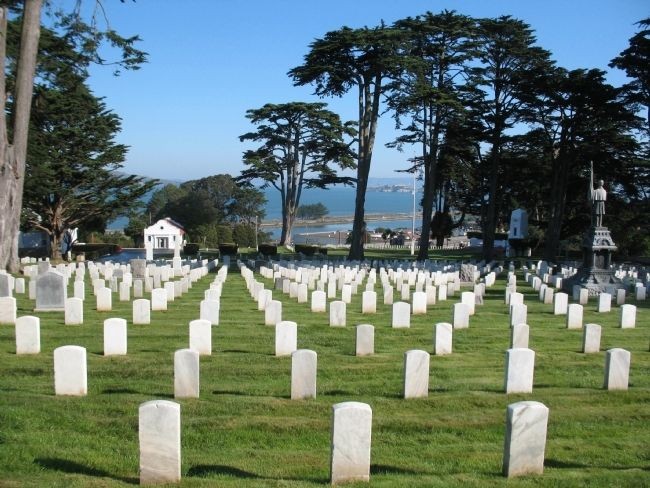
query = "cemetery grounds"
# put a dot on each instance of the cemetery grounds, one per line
(244, 430)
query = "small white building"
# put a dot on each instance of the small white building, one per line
(164, 234)
(518, 224)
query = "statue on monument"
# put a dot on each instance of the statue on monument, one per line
(597, 197)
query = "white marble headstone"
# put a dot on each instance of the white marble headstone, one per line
(604, 302)
(442, 344)
(70, 371)
(263, 299)
(419, 301)
(158, 299)
(520, 368)
(401, 315)
(115, 339)
(574, 316)
(416, 374)
(303, 374)
(273, 313)
(159, 434)
(8, 310)
(28, 335)
(337, 313)
(560, 303)
(318, 301)
(141, 311)
(201, 337)
(209, 310)
(617, 369)
(369, 302)
(628, 316)
(351, 438)
(591, 338)
(519, 334)
(186, 373)
(286, 338)
(104, 300)
(365, 340)
(74, 311)
(461, 316)
(525, 441)
(518, 314)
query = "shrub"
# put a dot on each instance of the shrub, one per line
(268, 249)
(228, 249)
(191, 249)
(305, 249)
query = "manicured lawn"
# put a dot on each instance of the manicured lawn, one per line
(245, 431)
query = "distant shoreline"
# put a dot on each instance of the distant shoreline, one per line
(344, 219)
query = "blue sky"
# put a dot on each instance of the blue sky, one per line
(211, 60)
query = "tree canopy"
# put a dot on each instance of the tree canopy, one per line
(72, 171)
(16, 89)
(302, 146)
(336, 63)
(312, 211)
(208, 208)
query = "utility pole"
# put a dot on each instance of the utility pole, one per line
(413, 223)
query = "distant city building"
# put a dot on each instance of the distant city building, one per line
(164, 234)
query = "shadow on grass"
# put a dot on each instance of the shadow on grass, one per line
(204, 470)
(385, 469)
(229, 392)
(241, 351)
(554, 463)
(336, 393)
(73, 467)
(110, 391)
(207, 470)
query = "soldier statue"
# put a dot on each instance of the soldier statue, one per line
(597, 197)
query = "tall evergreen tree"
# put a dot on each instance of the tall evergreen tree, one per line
(17, 96)
(635, 61)
(579, 118)
(72, 163)
(507, 52)
(435, 57)
(301, 144)
(343, 59)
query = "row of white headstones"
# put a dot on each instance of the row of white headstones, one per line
(74, 306)
(70, 362)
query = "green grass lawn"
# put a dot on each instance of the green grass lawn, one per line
(245, 431)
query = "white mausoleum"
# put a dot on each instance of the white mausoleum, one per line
(164, 234)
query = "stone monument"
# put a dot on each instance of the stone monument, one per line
(596, 273)
(518, 233)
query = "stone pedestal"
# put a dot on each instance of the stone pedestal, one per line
(596, 273)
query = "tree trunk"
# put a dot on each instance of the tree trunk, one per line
(559, 190)
(55, 245)
(368, 115)
(356, 246)
(489, 225)
(12, 163)
(427, 210)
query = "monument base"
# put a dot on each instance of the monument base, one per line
(595, 273)
(593, 279)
